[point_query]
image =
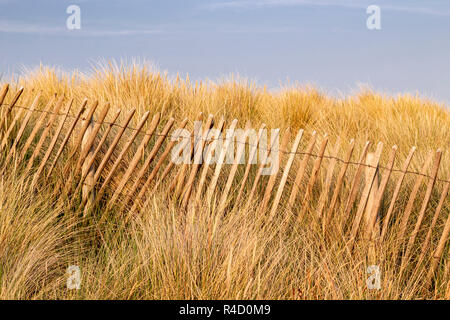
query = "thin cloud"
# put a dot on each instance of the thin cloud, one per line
(254, 4)
(25, 28)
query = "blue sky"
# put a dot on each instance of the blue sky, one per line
(323, 42)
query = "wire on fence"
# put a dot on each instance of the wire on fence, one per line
(246, 143)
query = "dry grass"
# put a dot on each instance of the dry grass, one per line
(166, 253)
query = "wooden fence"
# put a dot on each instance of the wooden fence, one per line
(104, 162)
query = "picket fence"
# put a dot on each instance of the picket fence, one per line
(91, 157)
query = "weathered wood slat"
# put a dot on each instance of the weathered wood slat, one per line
(137, 157)
(286, 170)
(426, 200)
(252, 154)
(338, 186)
(396, 193)
(426, 243)
(44, 134)
(51, 146)
(365, 195)
(301, 170)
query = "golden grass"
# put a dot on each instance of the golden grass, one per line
(166, 253)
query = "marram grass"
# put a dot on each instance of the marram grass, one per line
(166, 253)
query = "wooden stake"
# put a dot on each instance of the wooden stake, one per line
(157, 167)
(110, 151)
(220, 162)
(339, 182)
(286, 170)
(121, 155)
(355, 182)
(88, 170)
(97, 150)
(326, 188)
(36, 128)
(259, 172)
(395, 194)
(273, 176)
(373, 212)
(51, 146)
(412, 197)
(425, 244)
(66, 139)
(365, 195)
(198, 159)
(252, 154)
(137, 157)
(312, 179)
(22, 129)
(48, 126)
(426, 200)
(211, 148)
(150, 157)
(239, 153)
(301, 170)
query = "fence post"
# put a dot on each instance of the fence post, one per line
(88, 169)
(372, 168)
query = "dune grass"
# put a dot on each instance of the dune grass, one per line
(167, 253)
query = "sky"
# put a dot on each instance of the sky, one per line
(325, 43)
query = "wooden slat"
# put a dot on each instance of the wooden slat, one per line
(326, 188)
(86, 169)
(94, 156)
(169, 168)
(365, 195)
(66, 139)
(220, 161)
(240, 150)
(149, 160)
(412, 197)
(355, 182)
(273, 176)
(396, 193)
(137, 157)
(198, 159)
(260, 170)
(252, 154)
(301, 170)
(11, 127)
(286, 170)
(312, 179)
(426, 200)
(44, 134)
(87, 146)
(51, 146)
(19, 134)
(157, 167)
(107, 156)
(211, 148)
(437, 255)
(36, 128)
(181, 175)
(338, 186)
(426, 243)
(374, 214)
(77, 144)
(6, 115)
(3, 94)
(122, 153)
